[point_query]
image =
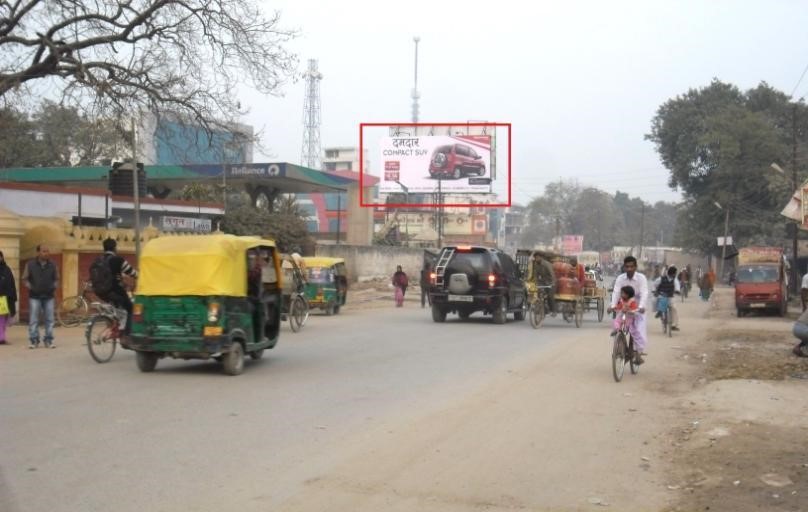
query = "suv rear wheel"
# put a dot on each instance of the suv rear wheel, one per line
(501, 313)
(438, 314)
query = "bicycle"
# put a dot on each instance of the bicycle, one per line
(623, 349)
(104, 331)
(537, 306)
(75, 310)
(298, 311)
(664, 308)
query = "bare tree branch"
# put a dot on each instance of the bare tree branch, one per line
(184, 57)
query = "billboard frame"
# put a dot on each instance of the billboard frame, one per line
(364, 204)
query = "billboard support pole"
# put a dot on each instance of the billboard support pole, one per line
(440, 213)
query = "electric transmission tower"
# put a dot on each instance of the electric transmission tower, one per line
(310, 153)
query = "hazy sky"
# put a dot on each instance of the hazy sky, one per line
(580, 81)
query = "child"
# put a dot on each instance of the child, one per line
(627, 303)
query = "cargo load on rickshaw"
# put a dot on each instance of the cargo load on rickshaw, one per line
(567, 293)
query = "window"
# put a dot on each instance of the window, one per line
(330, 166)
(758, 275)
(462, 150)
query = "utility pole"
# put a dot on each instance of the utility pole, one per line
(642, 231)
(724, 245)
(795, 273)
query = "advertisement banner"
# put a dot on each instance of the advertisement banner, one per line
(187, 224)
(416, 164)
(572, 244)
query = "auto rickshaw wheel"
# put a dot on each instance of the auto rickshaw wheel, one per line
(234, 360)
(330, 308)
(257, 354)
(146, 361)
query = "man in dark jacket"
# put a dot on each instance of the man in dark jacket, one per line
(119, 267)
(425, 281)
(41, 277)
(9, 291)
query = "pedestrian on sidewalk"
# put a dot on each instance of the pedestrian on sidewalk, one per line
(8, 298)
(425, 280)
(400, 283)
(804, 291)
(41, 278)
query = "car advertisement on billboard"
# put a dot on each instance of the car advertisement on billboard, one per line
(422, 164)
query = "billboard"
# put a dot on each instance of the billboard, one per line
(572, 244)
(423, 164)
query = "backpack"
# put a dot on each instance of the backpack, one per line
(101, 276)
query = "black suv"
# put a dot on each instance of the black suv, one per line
(468, 279)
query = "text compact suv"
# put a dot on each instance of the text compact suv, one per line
(467, 279)
(455, 160)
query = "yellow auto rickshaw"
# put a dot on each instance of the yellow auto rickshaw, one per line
(326, 283)
(207, 296)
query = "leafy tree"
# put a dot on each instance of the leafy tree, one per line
(718, 144)
(287, 230)
(603, 219)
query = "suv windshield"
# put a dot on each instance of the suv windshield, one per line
(758, 275)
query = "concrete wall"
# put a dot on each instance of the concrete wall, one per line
(371, 261)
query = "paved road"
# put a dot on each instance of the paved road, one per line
(75, 435)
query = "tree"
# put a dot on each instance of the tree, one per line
(287, 230)
(55, 135)
(551, 212)
(184, 57)
(718, 143)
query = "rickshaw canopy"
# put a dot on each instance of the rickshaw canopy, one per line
(322, 261)
(197, 265)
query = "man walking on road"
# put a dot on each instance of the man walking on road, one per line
(640, 284)
(425, 279)
(41, 277)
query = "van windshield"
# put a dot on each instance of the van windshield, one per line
(758, 275)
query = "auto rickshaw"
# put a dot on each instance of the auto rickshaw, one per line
(206, 296)
(326, 283)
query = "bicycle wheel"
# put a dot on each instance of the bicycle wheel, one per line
(601, 309)
(633, 355)
(536, 314)
(297, 314)
(579, 312)
(619, 357)
(72, 311)
(100, 339)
